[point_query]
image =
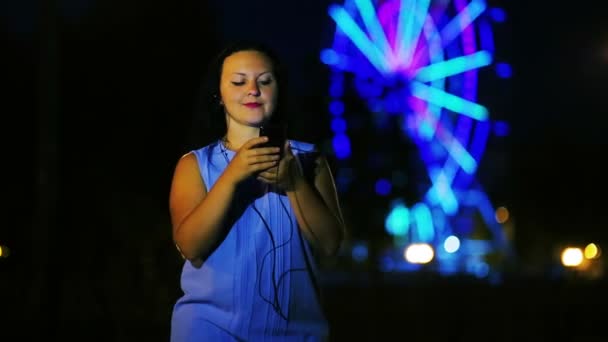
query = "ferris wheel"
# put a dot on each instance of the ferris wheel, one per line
(415, 64)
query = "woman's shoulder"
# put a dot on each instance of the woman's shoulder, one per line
(206, 149)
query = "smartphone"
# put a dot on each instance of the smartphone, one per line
(277, 135)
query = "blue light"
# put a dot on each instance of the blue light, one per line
(359, 252)
(485, 36)
(478, 144)
(473, 198)
(440, 222)
(411, 20)
(405, 28)
(504, 70)
(368, 87)
(452, 102)
(346, 23)
(448, 266)
(341, 145)
(501, 128)
(461, 155)
(370, 19)
(383, 187)
(387, 264)
(375, 105)
(475, 247)
(498, 15)
(330, 57)
(426, 130)
(461, 21)
(394, 103)
(478, 268)
(441, 192)
(336, 107)
(338, 125)
(453, 66)
(336, 89)
(424, 222)
(397, 222)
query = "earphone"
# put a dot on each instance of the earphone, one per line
(274, 302)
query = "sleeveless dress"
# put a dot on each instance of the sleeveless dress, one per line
(259, 284)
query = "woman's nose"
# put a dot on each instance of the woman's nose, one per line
(254, 89)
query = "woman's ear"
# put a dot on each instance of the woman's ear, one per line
(218, 99)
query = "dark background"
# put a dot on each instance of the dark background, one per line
(97, 107)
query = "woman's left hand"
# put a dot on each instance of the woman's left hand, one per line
(284, 174)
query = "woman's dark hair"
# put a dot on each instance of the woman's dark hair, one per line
(209, 115)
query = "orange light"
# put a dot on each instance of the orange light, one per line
(501, 215)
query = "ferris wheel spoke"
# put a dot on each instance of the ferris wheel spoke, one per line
(423, 220)
(352, 30)
(461, 21)
(376, 32)
(450, 143)
(453, 66)
(458, 152)
(441, 191)
(412, 16)
(452, 102)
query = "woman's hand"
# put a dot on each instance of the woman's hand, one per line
(250, 160)
(284, 174)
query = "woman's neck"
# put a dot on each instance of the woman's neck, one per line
(236, 136)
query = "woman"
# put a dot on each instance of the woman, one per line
(248, 219)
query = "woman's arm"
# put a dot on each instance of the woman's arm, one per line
(317, 207)
(198, 216)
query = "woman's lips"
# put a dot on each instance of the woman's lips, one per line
(253, 105)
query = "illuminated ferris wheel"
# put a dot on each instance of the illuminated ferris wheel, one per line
(417, 63)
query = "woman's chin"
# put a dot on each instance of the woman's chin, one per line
(257, 122)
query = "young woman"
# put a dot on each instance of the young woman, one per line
(248, 217)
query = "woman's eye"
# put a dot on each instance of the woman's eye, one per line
(238, 83)
(265, 82)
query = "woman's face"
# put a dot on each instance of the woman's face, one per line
(248, 88)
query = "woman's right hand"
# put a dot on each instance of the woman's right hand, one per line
(250, 160)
